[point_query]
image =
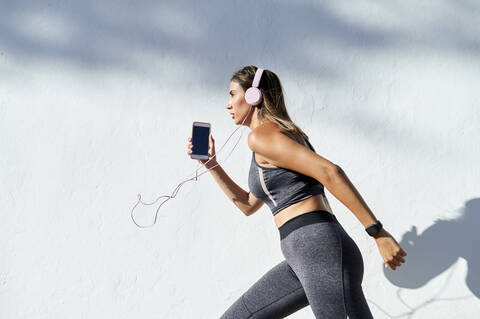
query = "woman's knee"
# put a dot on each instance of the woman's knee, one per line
(277, 292)
(237, 310)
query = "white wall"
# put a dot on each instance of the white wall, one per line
(97, 99)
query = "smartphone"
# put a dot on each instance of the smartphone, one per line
(200, 140)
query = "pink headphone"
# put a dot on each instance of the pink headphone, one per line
(253, 96)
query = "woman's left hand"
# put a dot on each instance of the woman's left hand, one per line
(390, 250)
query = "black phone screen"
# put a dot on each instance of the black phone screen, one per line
(200, 140)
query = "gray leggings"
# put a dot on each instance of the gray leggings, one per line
(323, 268)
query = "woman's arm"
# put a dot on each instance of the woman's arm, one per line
(237, 194)
(340, 186)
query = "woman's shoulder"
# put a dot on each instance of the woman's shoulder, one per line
(266, 129)
(270, 128)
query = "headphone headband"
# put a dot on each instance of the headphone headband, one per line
(258, 76)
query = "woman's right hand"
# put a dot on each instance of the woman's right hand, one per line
(390, 250)
(211, 152)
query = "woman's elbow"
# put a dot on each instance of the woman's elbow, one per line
(339, 170)
(333, 173)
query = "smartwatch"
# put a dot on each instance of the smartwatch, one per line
(373, 229)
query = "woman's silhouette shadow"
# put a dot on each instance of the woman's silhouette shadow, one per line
(435, 251)
(439, 247)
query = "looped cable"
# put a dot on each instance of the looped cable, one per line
(195, 178)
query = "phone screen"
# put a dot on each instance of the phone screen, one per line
(200, 139)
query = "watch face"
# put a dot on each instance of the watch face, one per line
(373, 230)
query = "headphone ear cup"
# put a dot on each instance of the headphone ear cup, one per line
(253, 96)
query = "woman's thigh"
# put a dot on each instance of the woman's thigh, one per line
(329, 266)
(315, 254)
(277, 294)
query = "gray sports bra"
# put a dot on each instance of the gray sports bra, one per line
(281, 187)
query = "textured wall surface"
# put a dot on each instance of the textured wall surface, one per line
(97, 99)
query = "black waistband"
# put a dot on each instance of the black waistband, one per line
(316, 216)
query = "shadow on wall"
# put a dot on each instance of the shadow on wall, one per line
(138, 35)
(94, 34)
(314, 40)
(435, 251)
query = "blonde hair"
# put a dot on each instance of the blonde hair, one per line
(272, 106)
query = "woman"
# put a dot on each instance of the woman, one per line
(323, 266)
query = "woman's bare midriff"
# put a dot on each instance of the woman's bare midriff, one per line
(317, 202)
